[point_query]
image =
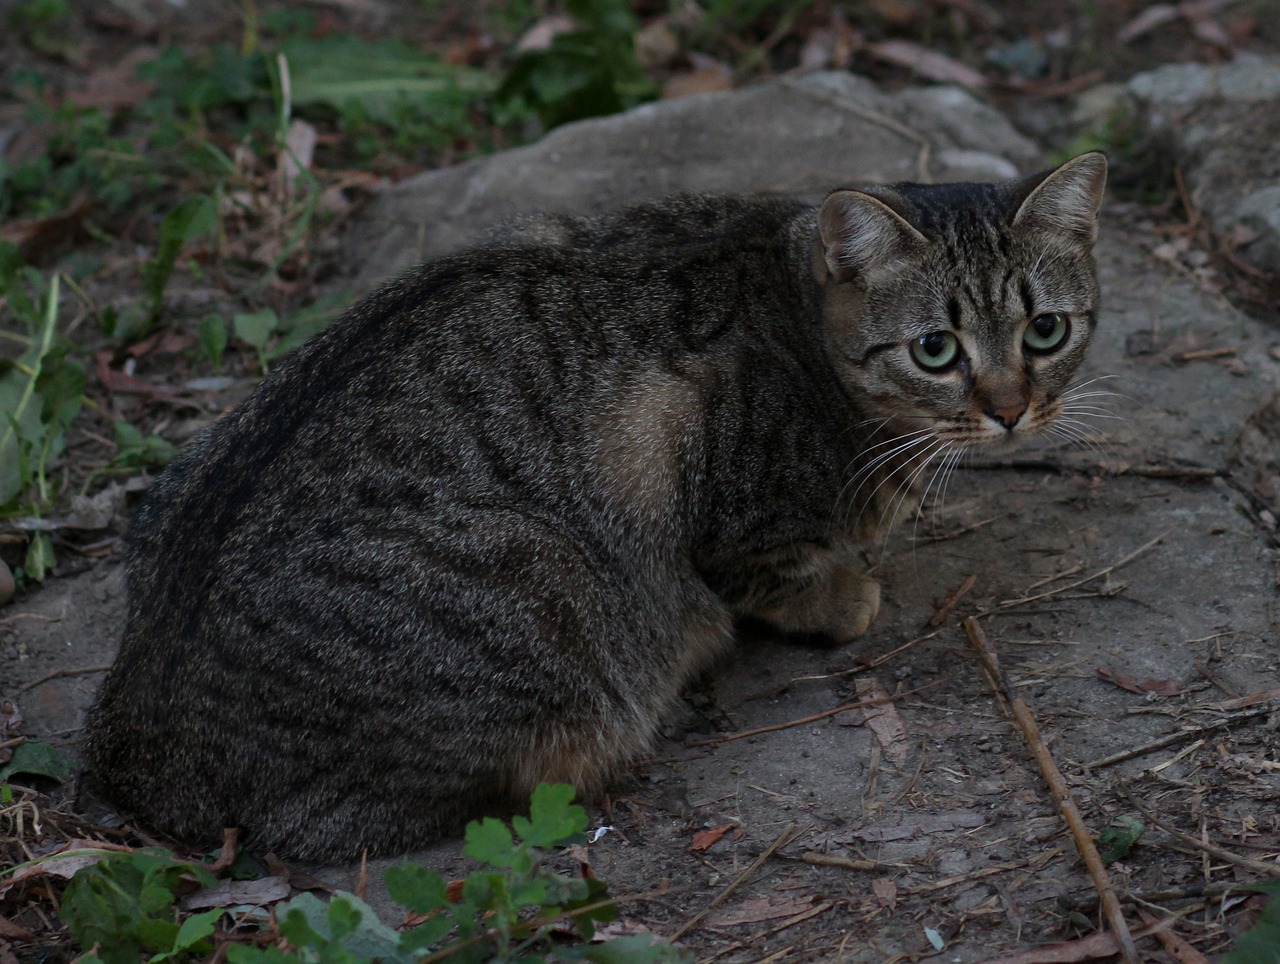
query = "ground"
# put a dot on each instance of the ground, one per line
(1130, 584)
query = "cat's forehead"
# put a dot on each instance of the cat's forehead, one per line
(947, 210)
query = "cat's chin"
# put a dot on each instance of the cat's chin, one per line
(1005, 444)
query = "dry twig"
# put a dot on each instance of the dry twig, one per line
(1057, 785)
(842, 708)
(734, 884)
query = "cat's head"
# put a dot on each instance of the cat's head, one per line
(964, 309)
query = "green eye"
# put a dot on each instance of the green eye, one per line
(936, 350)
(1046, 333)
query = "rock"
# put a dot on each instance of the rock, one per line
(1222, 125)
(790, 136)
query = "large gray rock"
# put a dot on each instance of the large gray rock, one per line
(1222, 124)
(791, 136)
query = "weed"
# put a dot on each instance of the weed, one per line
(515, 909)
(585, 72)
(40, 395)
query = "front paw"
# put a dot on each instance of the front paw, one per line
(839, 608)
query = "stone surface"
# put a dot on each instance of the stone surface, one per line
(801, 137)
(1222, 125)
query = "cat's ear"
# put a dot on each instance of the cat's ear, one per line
(1066, 201)
(861, 234)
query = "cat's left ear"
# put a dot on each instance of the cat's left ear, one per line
(1066, 201)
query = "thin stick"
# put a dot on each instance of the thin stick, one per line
(845, 863)
(734, 884)
(1057, 785)
(843, 708)
(953, 600)
(1010, 603)
(1181, 736)
(61, 674)
(1213, 850)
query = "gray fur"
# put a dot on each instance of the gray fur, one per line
(482, 530)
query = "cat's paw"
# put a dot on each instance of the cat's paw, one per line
(855, 602)
(839, 609)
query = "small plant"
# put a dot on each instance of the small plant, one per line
(515, 909)
(125, 905)
(40, 394)
(585, 72)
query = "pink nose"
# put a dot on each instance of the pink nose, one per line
(1009, 415)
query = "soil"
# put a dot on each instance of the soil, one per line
(1131, 586)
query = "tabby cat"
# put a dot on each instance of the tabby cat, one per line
(481, 531)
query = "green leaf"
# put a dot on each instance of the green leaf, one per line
(39, 759)
(554, 819)
(635, 949)
(133, 450)
(344, 929)
(1117, 840)
(39, 558)
(194, 217)
(257, 328)
(125, 905)
(340, 70)
(416, 888)
(193, 935)
(211, 335)
(490, 842)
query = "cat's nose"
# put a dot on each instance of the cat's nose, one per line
(1008, 415)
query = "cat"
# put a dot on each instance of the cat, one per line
(481, 531)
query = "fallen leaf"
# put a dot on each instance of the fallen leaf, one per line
(231, 893)
(756, 909)
(927, 63)
(1156, 15)
(886, 892)
(1157, 687)
(14, 932)
(709, 78)
(117, 86)
(66, 861)
(37, 238)
(161, 343)
(122, 383)
(884, 721)
(619, 928)
(704, 839)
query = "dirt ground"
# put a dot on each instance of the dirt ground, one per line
(1132, 588)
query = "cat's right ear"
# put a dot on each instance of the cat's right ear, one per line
(862, 235)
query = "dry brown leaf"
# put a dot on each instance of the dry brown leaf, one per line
(66, 861)
(927, 63)
(1158, 687)
(36, 238)
(709, 78)
(1156, 15)
(886, 892)
(704, 839)
(756, 909)
(884, 721)
(14, 932)
(230, 893)
(117, 86)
